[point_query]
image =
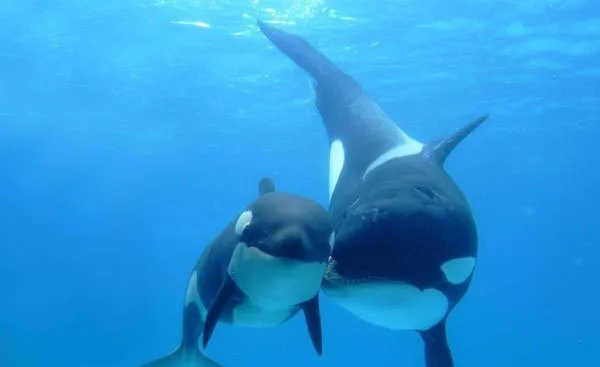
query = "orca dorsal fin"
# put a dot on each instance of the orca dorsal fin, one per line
(265, 186)
(439, 150)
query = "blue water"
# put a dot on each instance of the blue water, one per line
(129, 137)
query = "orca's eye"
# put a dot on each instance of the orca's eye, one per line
(243, 222)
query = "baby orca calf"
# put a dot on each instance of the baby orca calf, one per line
(263, 268)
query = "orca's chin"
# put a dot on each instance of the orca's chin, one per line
(274, 281)
(384, 302)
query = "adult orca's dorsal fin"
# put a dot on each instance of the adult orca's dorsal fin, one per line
(265, 186)
(439, 150)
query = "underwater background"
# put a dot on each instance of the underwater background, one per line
(132, 131)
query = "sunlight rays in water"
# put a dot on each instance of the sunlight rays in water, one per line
(195, 24)
(239, 15)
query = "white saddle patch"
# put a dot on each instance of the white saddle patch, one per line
(363, 108)
(407, 148)
(457, 271)
(336, 163)
(392, 305)
(193, 297)
(272, 285)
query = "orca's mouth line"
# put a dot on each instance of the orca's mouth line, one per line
(334, 279)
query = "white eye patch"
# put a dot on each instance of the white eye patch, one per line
(243, 222)
(332, 239)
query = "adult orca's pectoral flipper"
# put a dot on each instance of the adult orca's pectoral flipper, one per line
(327, 76)
(300, 51)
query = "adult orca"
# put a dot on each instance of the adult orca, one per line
(405, 243)
(263, 268)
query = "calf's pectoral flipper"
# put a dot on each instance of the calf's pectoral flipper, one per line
(312, 315)
(437, 351)
(227, 290)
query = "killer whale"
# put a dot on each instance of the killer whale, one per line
(260, 270)
(406, 242)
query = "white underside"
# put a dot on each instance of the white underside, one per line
(251, 314)
(392, 305)
(273, 286)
